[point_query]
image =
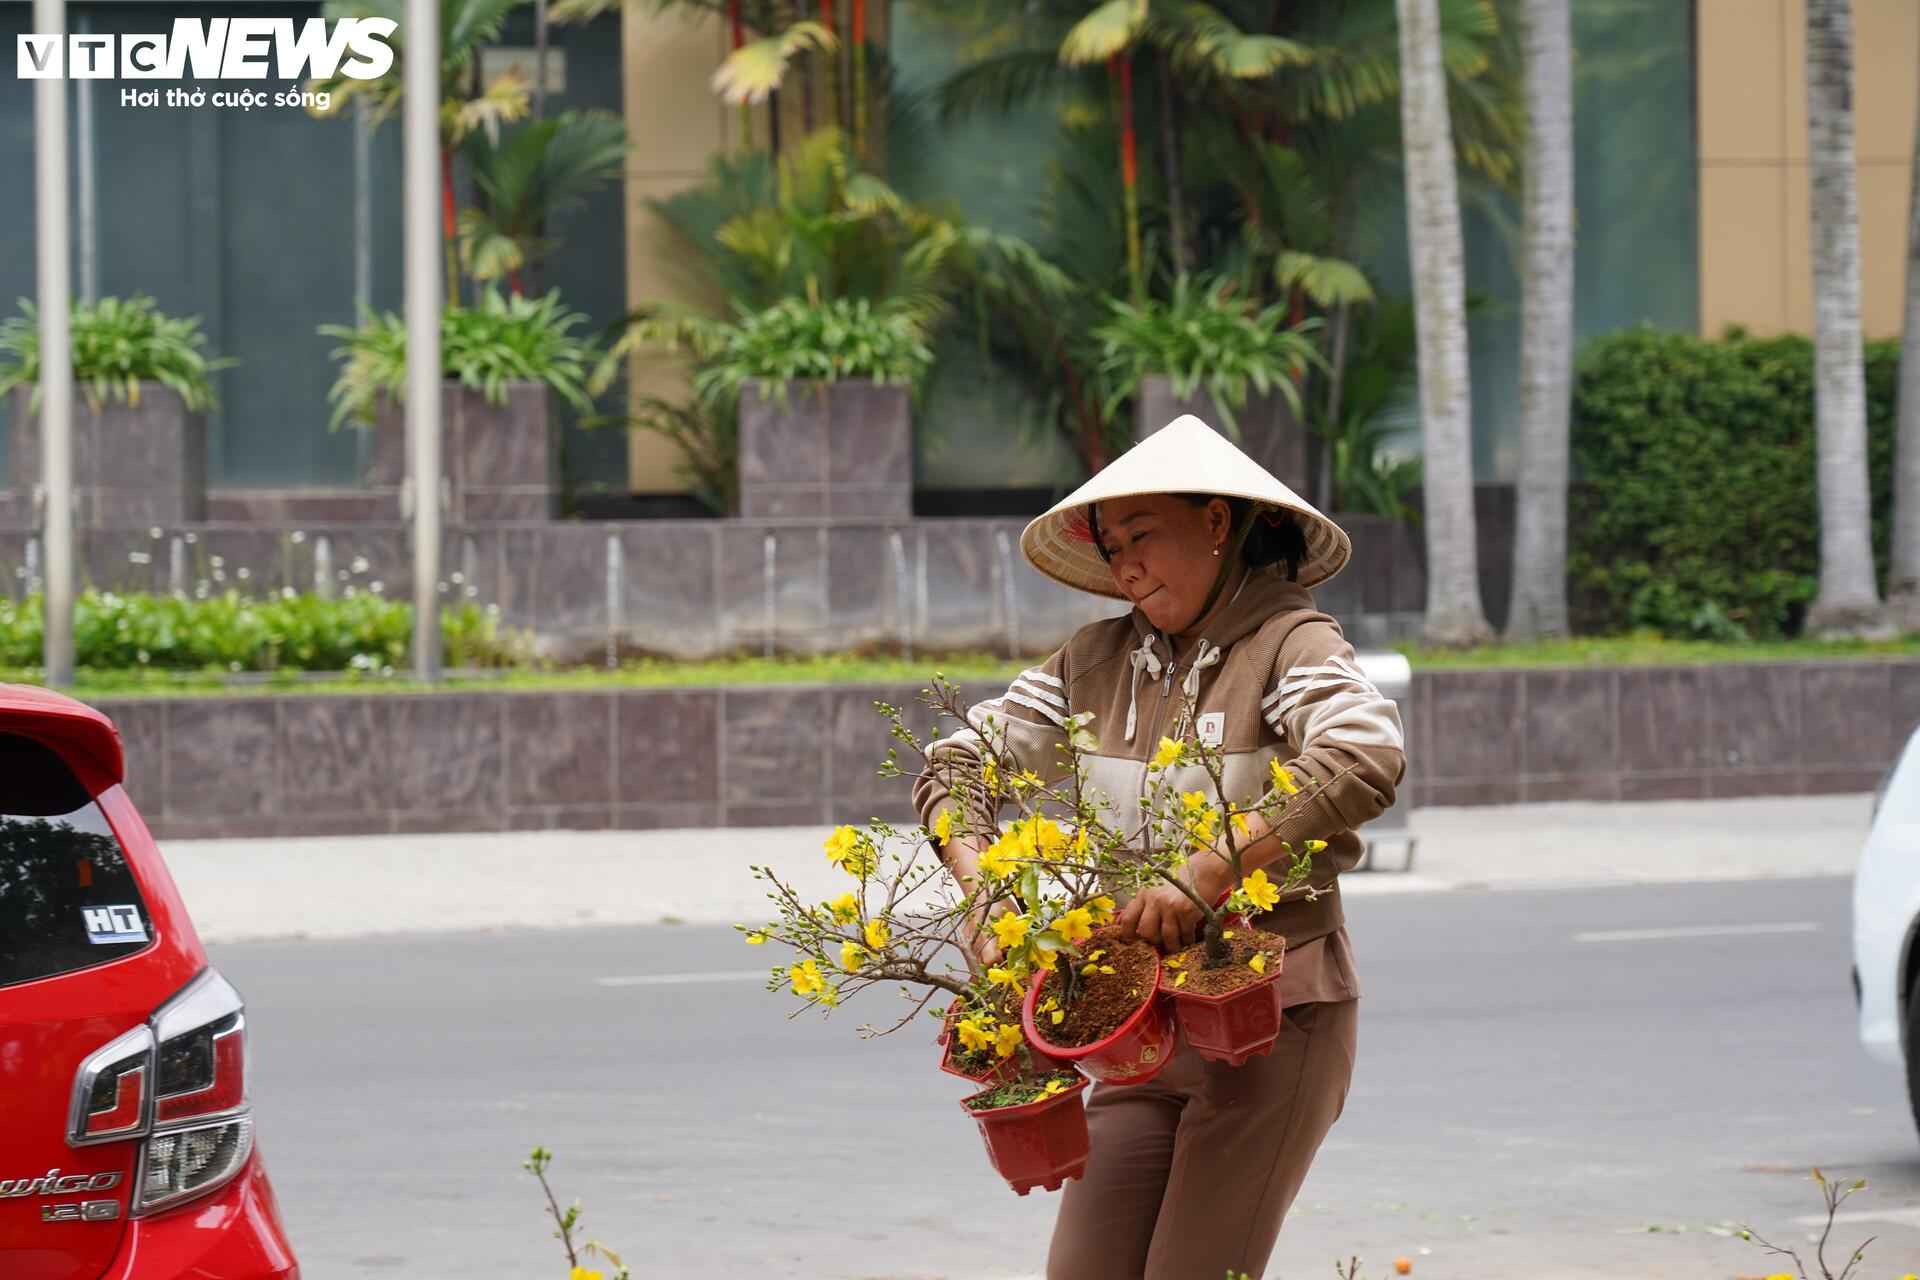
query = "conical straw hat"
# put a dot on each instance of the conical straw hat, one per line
(1185, 456)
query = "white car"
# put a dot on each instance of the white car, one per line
(1886, 923)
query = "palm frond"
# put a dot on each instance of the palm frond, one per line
(1328, 281)
(1202, 34)
(1103, 33)
(999, 83)
(753, 71)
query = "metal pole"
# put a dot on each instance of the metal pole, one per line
(56, 347)
(421, 199)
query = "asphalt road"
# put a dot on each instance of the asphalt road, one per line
(1530, 1101)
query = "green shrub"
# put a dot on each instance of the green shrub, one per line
(1695, 511)
(505, 338)
(1204, 338)
(799, 340)
(232, 632)
(118, 343)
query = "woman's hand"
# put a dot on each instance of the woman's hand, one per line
(977, 933)
(1162, 915)
(962, 857)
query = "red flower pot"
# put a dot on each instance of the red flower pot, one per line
(1133, 1053)
(1002, 1070)
(1036, 1144)
(1233, 1027)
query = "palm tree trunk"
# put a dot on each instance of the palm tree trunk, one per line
(736, 37)
(1539, 610)
(449, 225)
(859, 51)
(1455, 616)
(1170, 153)
(1336, 392)
(539, 59)
(1122, 70)
(1903, 572)
(1848, 603)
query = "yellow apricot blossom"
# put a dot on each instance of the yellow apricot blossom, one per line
(1003, 977)
(1168, 753)
(1259, 962)
(1261, 892)
(1284, 779)
(943, 825)
(973, 1035)
(845, 908)
(847, 850)
(1102, 908)
(1009, 930)
(756, 939)
(877, 934)
(1008, 1040)
(994, 860)
(806, 978)
(851, 954)
(1076, 925)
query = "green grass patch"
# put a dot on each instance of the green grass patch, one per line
(978, 672)
(1650, 650)
(985, 669)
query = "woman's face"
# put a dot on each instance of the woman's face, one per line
(1160, 552)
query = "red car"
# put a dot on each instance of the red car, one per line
(126, 1140)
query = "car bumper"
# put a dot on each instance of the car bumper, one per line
(1882, 915)
(234, 1234)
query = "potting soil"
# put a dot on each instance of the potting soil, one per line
(1233, 975)
(1106, 999)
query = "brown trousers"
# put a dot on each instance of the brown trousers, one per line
(1192, 1172)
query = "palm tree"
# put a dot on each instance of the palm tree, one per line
(1455, 616)
(545, 168)
(465, 105)
(1539, 609)
(1903, 572)
(1848, 603)
(1208, 43)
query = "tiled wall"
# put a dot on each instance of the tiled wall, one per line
(294, 765)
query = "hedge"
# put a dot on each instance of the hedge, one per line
(231, 632)
(1694, 510)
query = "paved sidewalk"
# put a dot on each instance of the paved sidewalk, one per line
(367, 885)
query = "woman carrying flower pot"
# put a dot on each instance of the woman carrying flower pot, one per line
(1192, 1173)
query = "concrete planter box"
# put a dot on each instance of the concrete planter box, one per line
(502, 760)
(838, 449)
(499, 462)
(1268, 433)
(132, 464)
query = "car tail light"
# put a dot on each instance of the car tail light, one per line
(110, 1097)
(180, 1082)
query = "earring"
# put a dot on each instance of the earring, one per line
(1216, 551)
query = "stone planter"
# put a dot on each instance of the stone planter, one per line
(142, 463)
(1268, 433)
(838, 449)
(499, 462)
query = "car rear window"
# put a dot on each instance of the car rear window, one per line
(68, 900)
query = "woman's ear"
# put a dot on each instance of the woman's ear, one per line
(1219, 520)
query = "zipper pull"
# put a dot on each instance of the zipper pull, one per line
(1166, 684)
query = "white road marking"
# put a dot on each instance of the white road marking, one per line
(1697, 931)
(1851, 1217)
(675, 979)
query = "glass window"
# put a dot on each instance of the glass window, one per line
(68, 899)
